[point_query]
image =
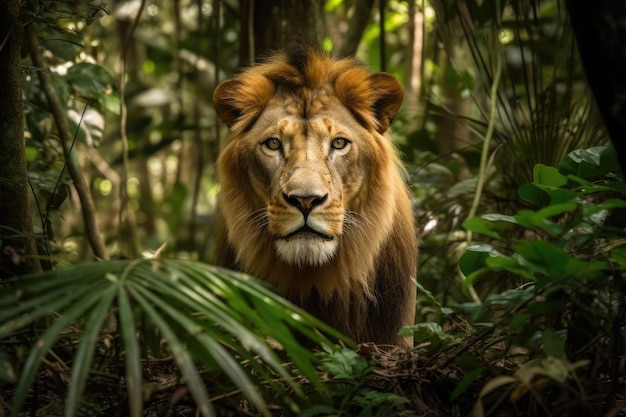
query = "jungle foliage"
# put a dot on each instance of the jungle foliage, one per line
(519, 196)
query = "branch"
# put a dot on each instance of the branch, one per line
(58, 113)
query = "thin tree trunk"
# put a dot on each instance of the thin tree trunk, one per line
(416, 46)
(356, 27)
(17, 243)
(58, 112)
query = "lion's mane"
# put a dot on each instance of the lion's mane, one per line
(366, 290)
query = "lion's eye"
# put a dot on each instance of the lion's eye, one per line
(339, 143)
(273, 144)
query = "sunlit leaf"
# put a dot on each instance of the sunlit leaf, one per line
(479, 225)
(547, 175)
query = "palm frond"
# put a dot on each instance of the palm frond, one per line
(208, 318)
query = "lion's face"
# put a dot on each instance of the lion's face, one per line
(307, 173)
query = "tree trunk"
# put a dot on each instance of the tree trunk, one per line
(272, 24)
(415, 51)
(17, 243)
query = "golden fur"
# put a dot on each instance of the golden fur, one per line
(312, 196)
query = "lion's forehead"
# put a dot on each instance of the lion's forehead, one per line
(313, 127)
(319, 118)
(307, 103)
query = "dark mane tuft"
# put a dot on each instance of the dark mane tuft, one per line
(298, 52)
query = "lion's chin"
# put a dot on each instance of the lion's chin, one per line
(302, 251)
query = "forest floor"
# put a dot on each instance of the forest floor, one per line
(400, 383)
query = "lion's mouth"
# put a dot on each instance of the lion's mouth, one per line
(307, 230)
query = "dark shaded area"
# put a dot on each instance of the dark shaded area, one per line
(600, 30)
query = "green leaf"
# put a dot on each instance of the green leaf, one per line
(544, 195)
(547, 175)
(534, 195)
(203, 315)
(475, 256)
(346, 364)
(543, 257)
(590, 163)
(479, 225)
(64, 45)
(89, 79)
(86, 349)
(134, 378)
(510, 264)
(554, 210)
(41, 347)
(179, 353)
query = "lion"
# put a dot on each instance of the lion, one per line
(313, 197)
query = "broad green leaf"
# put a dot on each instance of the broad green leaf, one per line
(474, 258)
(479, 225)
(590, 163)
(90, 80)
(543, 195)
(561, 195)
(532, 220)
(66, 45)
(554, 210)
(534, 195)
(547, 175)
(543, 257)
(510, 264)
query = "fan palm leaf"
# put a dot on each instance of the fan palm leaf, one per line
(207, 317)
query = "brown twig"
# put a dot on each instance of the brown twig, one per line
(60, 119)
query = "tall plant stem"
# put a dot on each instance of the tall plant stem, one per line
(58, 113)
(484, 156)
(126, 226)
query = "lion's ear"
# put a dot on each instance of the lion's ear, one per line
(388, 98)
(242, 98)
(225, 105)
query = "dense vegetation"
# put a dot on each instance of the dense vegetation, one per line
(519, 195)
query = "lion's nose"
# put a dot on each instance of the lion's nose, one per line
(305, 203)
